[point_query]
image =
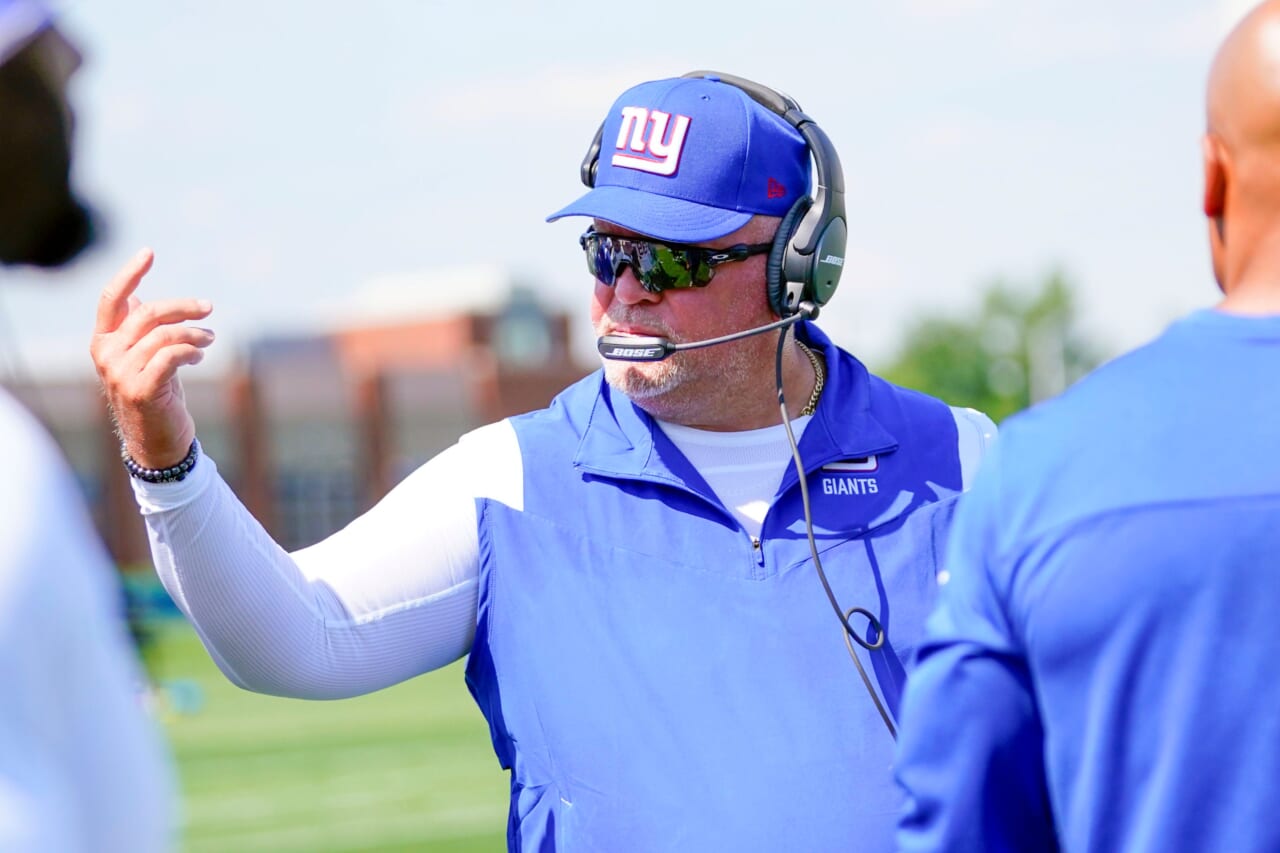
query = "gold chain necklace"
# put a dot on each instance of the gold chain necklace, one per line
(819, 377)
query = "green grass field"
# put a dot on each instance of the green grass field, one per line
(409, 768)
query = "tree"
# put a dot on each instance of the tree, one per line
(1020, 348)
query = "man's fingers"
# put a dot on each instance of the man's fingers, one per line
(164, 365)
(148, 316)
(113, 303)
(162, 337)
(131, 380)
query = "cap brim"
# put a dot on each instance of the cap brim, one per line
(657, 216)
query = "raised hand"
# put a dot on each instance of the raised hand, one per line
(137, 348)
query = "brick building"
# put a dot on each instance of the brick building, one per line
(310, 429)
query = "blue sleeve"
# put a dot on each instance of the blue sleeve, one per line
(970, 749)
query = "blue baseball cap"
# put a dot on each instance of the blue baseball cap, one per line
(691, 159)
(20, 21)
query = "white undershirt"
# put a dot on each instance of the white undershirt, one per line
(744, 469)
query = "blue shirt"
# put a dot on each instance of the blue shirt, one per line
(1103, 669)
(654, 678)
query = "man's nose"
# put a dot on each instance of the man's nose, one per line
(628, 290)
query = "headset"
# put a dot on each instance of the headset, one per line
(807, 257)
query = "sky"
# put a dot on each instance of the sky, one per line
(286, 160)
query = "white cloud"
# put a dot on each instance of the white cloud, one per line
(552, 94)
(122, 113)
(1036, 35)
(934, 9)
(1194, 34)
(205, 206)
(958, 132)
(1199, 31)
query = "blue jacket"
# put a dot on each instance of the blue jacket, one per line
(1103, 671)
(655, 679)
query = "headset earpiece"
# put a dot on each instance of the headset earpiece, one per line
(784, 297)
(814, 274)
(591, 162)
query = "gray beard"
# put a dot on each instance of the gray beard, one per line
(643, 381)
(685, 387)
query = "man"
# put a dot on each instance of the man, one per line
(629, 569)
(1103, 669)
(81, 765)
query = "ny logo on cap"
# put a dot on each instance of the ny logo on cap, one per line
(663, 154)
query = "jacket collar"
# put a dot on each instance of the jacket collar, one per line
(622, 440)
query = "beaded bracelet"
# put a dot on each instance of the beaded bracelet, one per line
(172, 474)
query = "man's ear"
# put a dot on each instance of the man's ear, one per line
(1216, 177)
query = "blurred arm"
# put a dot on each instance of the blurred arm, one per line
(82, 766)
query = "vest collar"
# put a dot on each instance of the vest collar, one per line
(622, 440)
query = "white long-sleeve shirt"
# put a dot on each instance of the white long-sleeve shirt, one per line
(390, 596)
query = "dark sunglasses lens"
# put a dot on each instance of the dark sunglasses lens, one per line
(657, 267)
(599, 254)
(663, 268)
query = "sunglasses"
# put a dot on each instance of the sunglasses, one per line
(659, 266)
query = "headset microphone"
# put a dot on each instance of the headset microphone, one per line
(652, 348)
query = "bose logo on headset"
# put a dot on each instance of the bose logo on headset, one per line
(624, 353)
(807, 257)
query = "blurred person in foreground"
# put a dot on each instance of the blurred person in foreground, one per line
(1103, 670)
(631, 569)
(82, 767)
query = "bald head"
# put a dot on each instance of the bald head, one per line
(1242, 162)
(1244, 85)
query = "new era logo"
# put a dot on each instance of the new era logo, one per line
(773, 189)
(645, 132)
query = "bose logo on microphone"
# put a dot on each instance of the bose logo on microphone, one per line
(833, 260)
(633, 352)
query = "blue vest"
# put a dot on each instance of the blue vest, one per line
(656, 680)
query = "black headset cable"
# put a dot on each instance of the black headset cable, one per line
(850, 635)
